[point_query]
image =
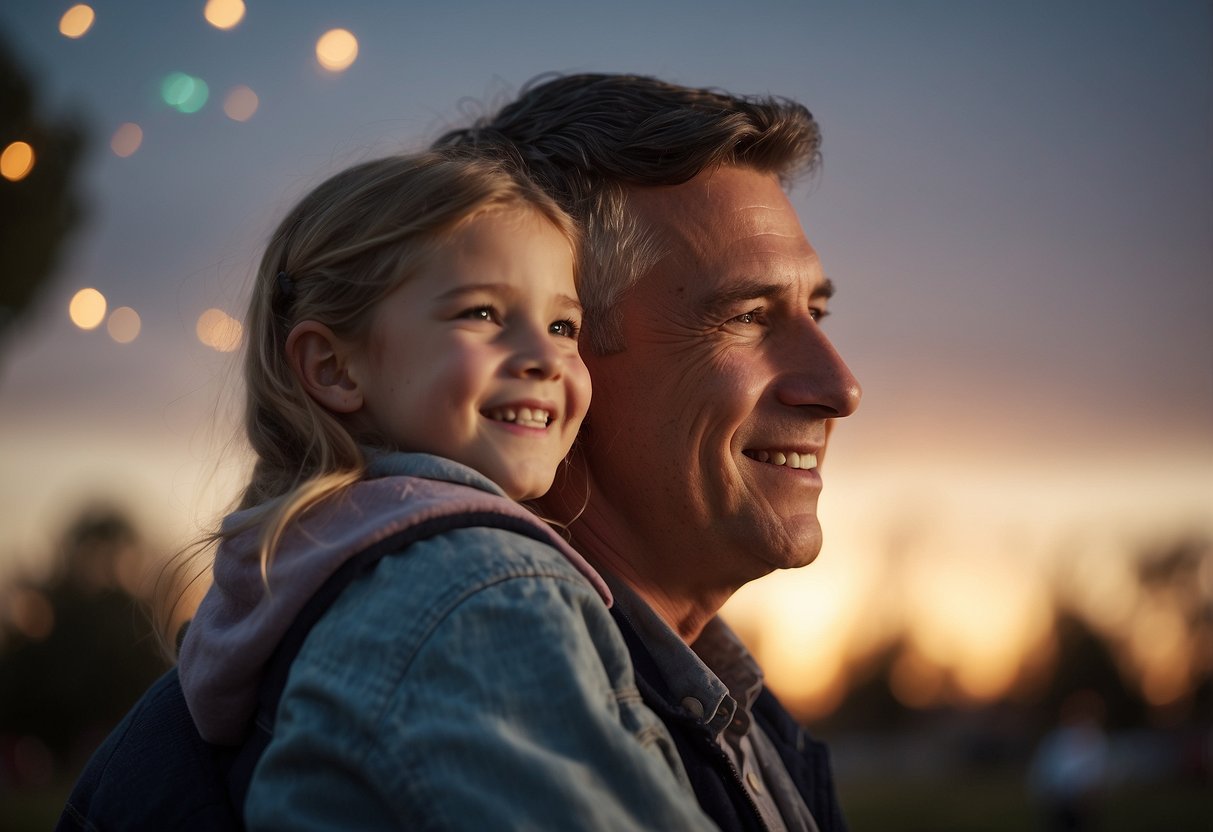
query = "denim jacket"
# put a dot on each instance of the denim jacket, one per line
(476, 681)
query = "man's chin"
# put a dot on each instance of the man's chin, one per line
(799, 543)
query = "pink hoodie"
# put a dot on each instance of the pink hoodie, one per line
(238, 625)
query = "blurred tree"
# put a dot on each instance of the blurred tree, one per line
(1086, 662)
(38, 211)
(79, 649)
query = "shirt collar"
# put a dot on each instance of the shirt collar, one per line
(715, 679)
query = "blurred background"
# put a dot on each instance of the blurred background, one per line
(1012, 617)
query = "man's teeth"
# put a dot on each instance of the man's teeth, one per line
(525, 416)
(789, 459)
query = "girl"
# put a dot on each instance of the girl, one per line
(413, 356)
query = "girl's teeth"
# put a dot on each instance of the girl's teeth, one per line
(525, 416)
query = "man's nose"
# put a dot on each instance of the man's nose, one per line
(816, 376)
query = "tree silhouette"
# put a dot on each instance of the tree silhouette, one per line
(38, 212)
(69, 672)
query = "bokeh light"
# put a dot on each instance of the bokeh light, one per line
(126, 139)
(87, 309)
(183, 92)
(223, 14)
(76, 21)
(124, 325)
(337, 49)
(219, 330)
(241, 103)
(17, 161)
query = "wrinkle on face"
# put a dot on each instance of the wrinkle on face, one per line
(692, 389)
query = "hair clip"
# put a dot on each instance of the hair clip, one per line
(286, 287)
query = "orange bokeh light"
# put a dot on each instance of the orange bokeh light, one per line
(17, 161)
(126, 139)
(219, 330)
(241, 103)
(224, 14)
(87, 308)
(76, 21)
(124, 325)
(337, 49)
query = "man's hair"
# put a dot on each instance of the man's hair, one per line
(588, 139)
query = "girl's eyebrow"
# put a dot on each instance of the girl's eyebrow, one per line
(505, 289)
(469, 288)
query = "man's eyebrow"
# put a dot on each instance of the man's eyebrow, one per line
(727, 298)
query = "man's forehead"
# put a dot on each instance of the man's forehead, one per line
(726, 193)
(729, 222)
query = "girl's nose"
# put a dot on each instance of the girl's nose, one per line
(535, 356)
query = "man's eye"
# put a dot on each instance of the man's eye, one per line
(565, 329)
(754, 316)
(819, 315)
(481, 313)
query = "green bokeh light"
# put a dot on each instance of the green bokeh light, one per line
(184, 93)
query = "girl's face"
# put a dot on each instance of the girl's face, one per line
(475, 358)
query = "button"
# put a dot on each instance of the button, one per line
(755, 783)
(694, 706)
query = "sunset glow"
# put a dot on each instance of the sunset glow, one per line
(1023, 275)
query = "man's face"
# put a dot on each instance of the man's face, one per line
(706, 431)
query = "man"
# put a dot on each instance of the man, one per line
(714, 391)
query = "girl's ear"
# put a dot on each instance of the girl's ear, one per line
(320, 360)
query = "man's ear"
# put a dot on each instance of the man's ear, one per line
(320, 360)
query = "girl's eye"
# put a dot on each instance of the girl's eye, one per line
(565, 329)
(481, 313)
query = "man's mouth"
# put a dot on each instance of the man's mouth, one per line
(527, 417)
(788, 459)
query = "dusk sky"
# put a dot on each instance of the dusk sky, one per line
(1016, 204)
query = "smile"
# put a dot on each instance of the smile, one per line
(527, 417)
(788, 459)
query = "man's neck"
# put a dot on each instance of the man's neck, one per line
(686, 606)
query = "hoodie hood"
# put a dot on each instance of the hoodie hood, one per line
(238, 625)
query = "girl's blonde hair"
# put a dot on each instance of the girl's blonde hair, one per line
(344, 247)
